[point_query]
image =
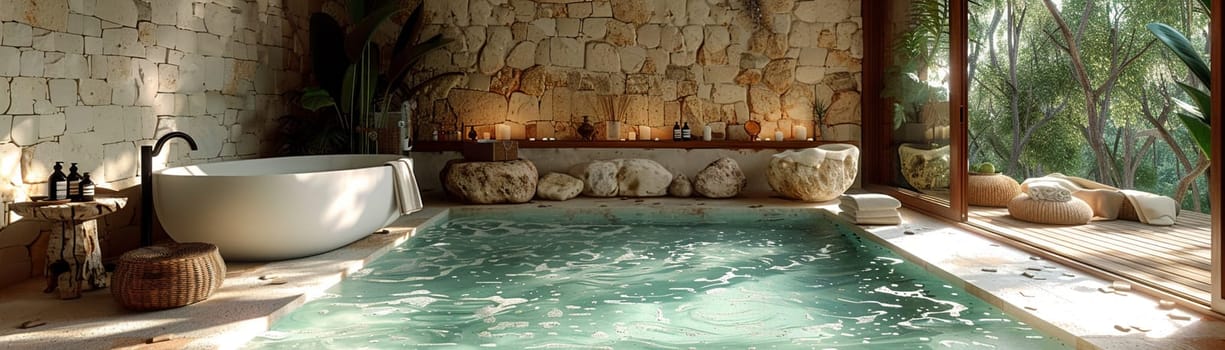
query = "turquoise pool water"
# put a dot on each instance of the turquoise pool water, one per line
(638, 279)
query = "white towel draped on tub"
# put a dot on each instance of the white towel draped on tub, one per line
(408, 195)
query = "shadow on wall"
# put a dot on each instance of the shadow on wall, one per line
(23, 243)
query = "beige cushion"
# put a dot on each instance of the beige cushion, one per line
(1073, 212)
(992, 190)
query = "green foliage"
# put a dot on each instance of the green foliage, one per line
(348, 65)
(1196, 116)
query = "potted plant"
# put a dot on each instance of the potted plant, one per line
(918, 97)
(353, 81)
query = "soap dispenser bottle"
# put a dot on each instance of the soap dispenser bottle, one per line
(676, 131)
(686, 133)
(74, 183)
(87, 188)
(57, 184)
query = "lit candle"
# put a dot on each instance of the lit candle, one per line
(656, 139)
(778, 135)
(644, 133)
(633, 135)
(707, 133)
(503, 131)
(485, 135)
(800, 132)
(531, 139)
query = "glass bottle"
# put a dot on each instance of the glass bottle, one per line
(686, 134)
(472, 133)
(74, 183)
(676, 131)
(57, 184)
(87, 188)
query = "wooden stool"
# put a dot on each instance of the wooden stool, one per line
(167, 275)
(74, 258)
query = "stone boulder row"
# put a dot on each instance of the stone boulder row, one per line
(491, 182)
(680, 187)
(623, 177)
(814, 174)
(721, 179)
(599, 178)
(558, 187)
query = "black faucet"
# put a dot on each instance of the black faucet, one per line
(146, 178)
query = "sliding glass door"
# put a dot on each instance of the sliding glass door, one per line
(919, 74)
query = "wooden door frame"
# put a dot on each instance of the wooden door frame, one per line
(1215, 184)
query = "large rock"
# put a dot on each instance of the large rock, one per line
(680, 187)
(558, 187)
(599, 178)
(815, 174)
(491, 182)
(642, 178)
(623, 177)
(721, 179)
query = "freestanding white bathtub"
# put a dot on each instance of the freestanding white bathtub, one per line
(276, 208)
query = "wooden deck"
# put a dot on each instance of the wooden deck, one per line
(1177, 259)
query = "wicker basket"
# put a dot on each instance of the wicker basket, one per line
(167, 275)
(992, 190)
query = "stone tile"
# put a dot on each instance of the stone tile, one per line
(18, 34)
(78, 119)
(122, 41)
(10, 61)
(95, 92)
(32, 63)
(25, 130)
(65, 65)
(25, 93)
(50, 126)
(122, 160)
(63, 92)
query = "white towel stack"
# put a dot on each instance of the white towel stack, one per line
(870, 209)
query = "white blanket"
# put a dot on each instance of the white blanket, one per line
(1107, 201)
(406, 192)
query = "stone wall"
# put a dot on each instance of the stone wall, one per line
(90, 81)
(539, 66)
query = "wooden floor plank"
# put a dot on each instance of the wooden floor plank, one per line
(1173, 258)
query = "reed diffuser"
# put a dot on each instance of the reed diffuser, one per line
(609, 106)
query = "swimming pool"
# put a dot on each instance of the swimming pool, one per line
(639, 278)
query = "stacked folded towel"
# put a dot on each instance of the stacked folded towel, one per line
(1048, 191)
(870, 209)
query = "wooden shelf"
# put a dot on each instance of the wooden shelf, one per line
(441, 146)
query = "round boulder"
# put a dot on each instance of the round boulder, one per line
(721, 179)
(680, 187)
(558, 187)
(491, 182)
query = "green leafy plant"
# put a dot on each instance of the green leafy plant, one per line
(348, 66)
(914, 53)
(1196, 115)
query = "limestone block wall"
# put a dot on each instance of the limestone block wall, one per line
(539, 66)
(90, 81)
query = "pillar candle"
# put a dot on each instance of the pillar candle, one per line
(633, 136)
(485, 135)
(707, 133)
(644, 133)
(778, 135)
(503, 131)
(800, 132)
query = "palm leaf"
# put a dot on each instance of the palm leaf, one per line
(1202, 100)
(1182, 48)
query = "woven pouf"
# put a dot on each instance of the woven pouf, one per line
(1073, 212)
(992, 190)
(167, 275)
